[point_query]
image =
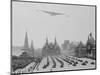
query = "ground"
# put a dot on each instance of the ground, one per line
(58, 63)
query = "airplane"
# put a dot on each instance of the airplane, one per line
(52, 13)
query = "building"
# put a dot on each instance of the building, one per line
(81, 50)
(88, 49)
(91, 47)
(50, 49)
(66, 45)
(26, 45)
(31, 50)
(26, 48)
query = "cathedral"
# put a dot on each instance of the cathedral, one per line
(50, 49)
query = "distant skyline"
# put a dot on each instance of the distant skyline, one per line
(75, 24)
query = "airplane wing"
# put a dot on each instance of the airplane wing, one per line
(52, 13)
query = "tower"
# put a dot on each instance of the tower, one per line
(90, 38)
(46, 40)
(55, 41)
(32, 49)
(90, 44)
(32, 45)
(26, 45)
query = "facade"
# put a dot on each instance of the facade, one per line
(91, 46)
(66, 45)
(81, 50)
(88, 49)
(50, 49)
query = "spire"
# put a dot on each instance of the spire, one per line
(32, 49)
(26, 41)
(55, 41)
(32, 45)
(47, 40)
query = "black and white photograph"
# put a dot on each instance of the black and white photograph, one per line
(52, 37)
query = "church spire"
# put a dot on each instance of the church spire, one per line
(47, 40)
(55, 41)
(32, 48)
(32, 45)
(26, 45)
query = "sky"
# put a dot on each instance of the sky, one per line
(75, 25)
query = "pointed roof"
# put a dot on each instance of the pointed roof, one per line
(26, 45)
(55, 41)
(32, 45)
(46, 40)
